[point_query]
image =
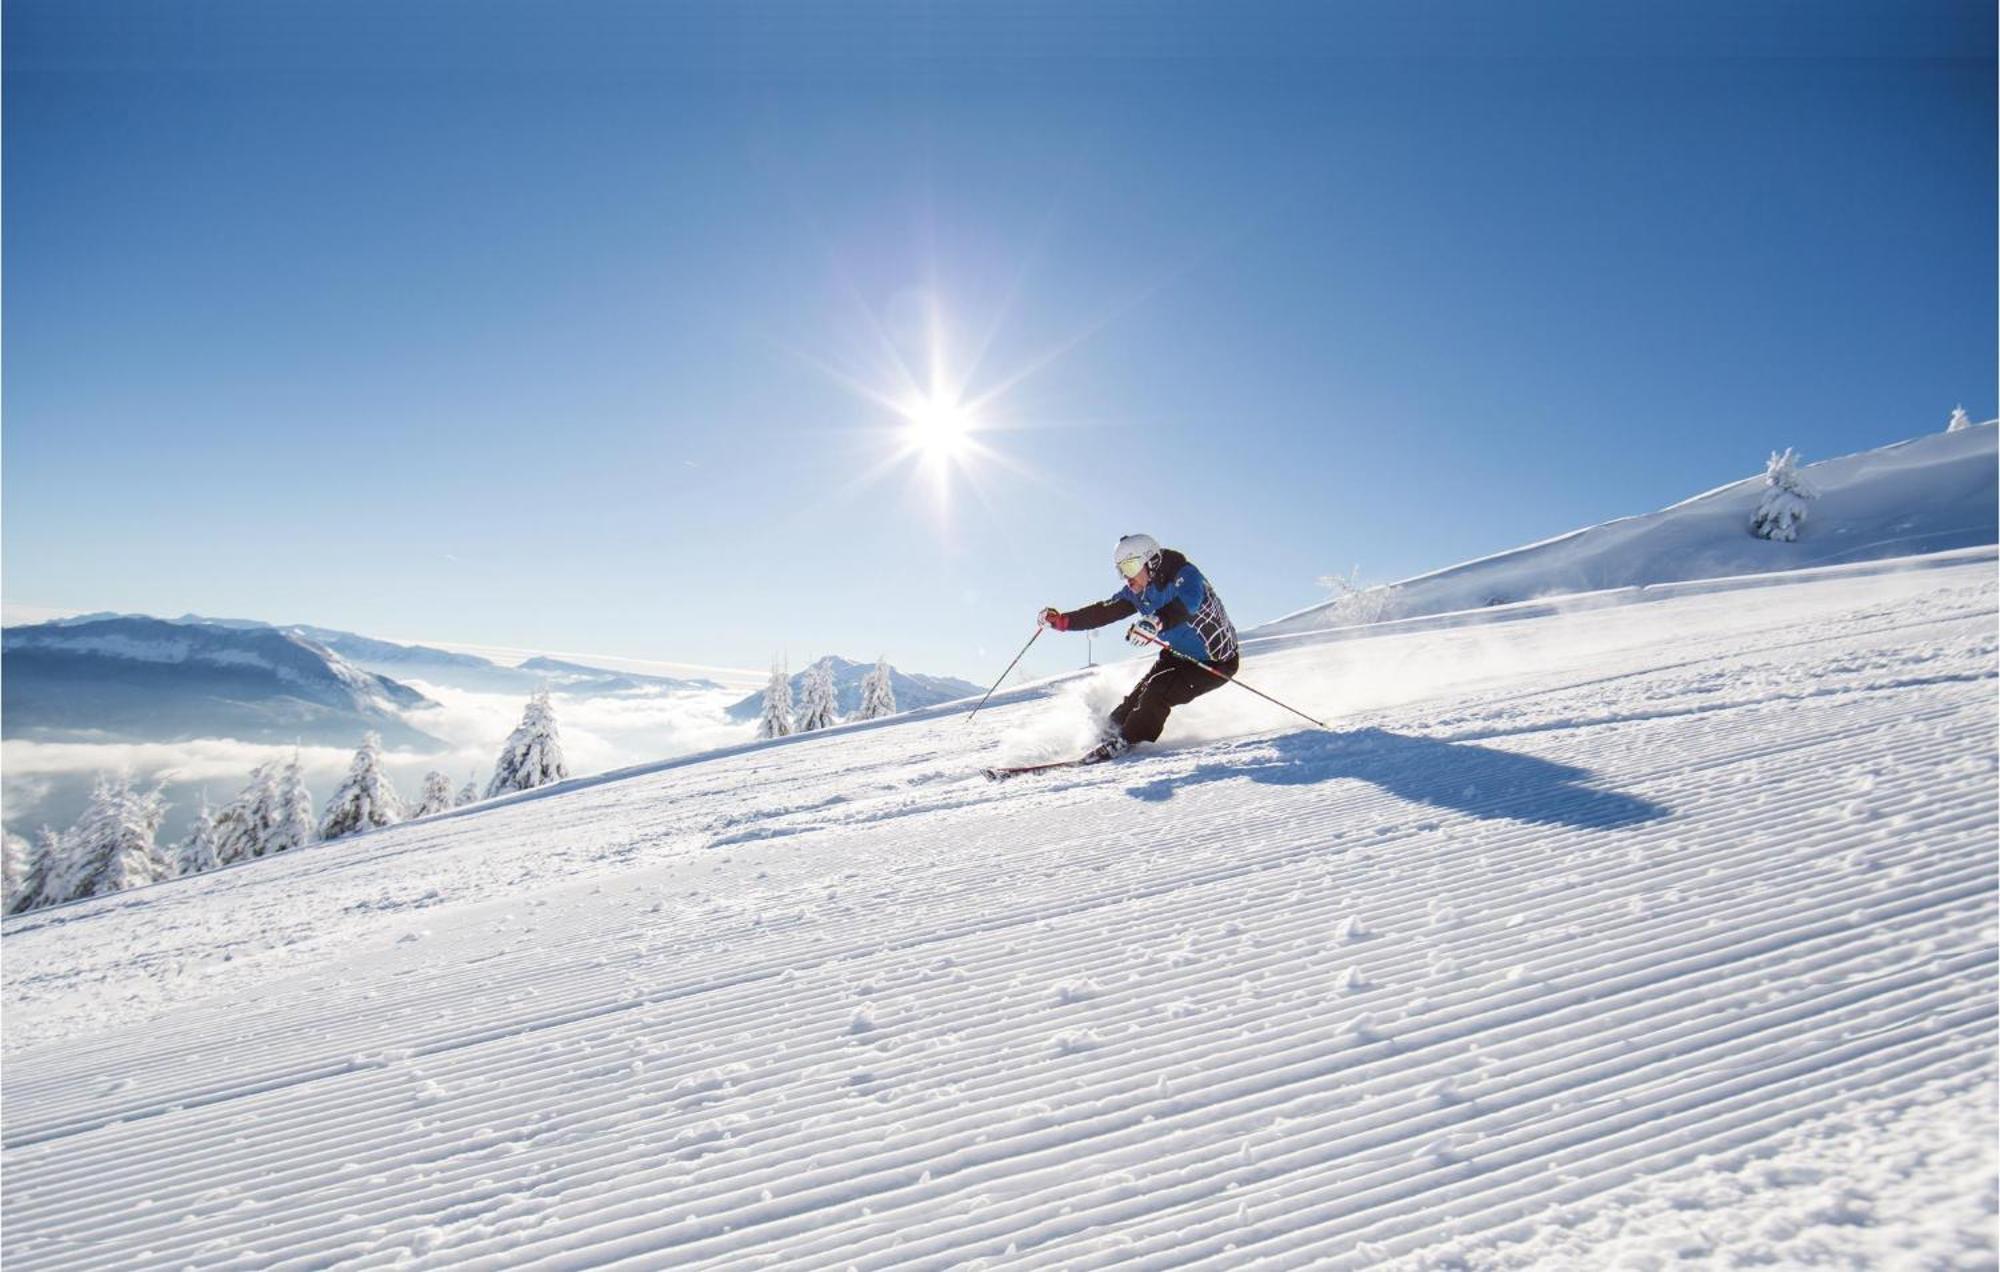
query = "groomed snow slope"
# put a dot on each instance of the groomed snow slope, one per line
(1932, 494)
(1660, 931)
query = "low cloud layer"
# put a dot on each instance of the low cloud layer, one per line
(47, 782)
(597, 733)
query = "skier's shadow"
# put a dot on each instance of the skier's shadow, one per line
(1476, 780)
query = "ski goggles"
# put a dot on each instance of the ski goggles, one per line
(1132, 567)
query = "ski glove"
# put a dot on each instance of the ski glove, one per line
(1143, 633)
(1053, 617)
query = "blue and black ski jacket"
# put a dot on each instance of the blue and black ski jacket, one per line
(1190, 614)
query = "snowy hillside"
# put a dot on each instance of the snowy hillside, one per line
(1652, 932)
(1932, 494)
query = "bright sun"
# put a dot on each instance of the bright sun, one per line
(931, 425)
(938, 429)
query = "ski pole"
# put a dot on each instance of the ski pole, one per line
(1227, 679)
(1010, 667)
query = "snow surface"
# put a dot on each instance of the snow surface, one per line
(1628, 935)
(1932, 494)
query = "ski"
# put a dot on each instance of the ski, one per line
(1002, 774)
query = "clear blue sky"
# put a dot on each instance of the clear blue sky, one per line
(541, 325)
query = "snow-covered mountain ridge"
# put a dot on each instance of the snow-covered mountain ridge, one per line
(1931, 494)
(425, 662)
(1629, 932)
(136, 677)
(564, 676)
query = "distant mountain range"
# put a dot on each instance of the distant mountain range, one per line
(131, 678)
(911, 690)
(480, 675)
(437, 666)
(576, 678)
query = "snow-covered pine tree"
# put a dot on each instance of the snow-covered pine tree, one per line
(366, 800)
(776, 721)
(292, 814)
(1960, 421)
(50, 872)
(468, 793)
(533, 755)
(14, 853)
(878, 696)
(1783, 509)
(16, 856)
(245, 823)
(227, 834)
(114, 844)
(196, 853)
(1354, 604)
(233, 829)
(45, 863)
(436, 797)
(816, 701)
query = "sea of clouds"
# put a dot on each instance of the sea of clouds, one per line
(49, 782)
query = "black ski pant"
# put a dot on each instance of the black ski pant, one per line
(1170, 682)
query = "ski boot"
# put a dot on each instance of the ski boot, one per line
(1109, 749)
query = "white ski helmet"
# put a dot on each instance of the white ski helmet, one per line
(1143, 548)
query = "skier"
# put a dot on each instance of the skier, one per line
(1178, 608)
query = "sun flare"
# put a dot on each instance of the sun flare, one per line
(934, 418)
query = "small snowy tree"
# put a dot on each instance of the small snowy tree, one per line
(816, 701)
(244, 825)
(291, 818)
(14, 866)
(437, 795)
(114, 844)
(196, 853)
(228, 833)
(533, 755)
(1783, 508)
(1960, 421)
(1352, 604)
(878, 696)
(51, 872)
(776, 720)
(468, 793)
(366, 800)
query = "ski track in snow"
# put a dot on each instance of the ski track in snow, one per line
(1646, 935)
